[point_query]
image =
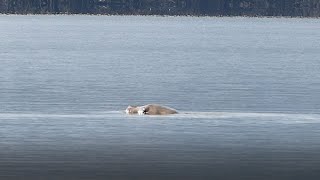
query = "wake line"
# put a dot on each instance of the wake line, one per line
(50, 115)
(184, 115)
(226, 115)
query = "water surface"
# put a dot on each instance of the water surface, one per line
(247, 89)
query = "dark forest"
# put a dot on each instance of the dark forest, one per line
(303, 8)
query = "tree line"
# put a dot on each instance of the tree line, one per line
(306, 8)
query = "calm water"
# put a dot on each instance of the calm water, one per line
(248, 90)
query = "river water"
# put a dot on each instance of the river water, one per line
(247, 90)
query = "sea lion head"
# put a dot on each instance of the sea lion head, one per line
(132, 110)
(136, 110)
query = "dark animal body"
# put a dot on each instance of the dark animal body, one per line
(150, 109)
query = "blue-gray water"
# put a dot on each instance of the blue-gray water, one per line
(247, 89)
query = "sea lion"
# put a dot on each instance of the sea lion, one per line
(150, 109)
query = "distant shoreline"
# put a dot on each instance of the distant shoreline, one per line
(248, 8)
(153, 15)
